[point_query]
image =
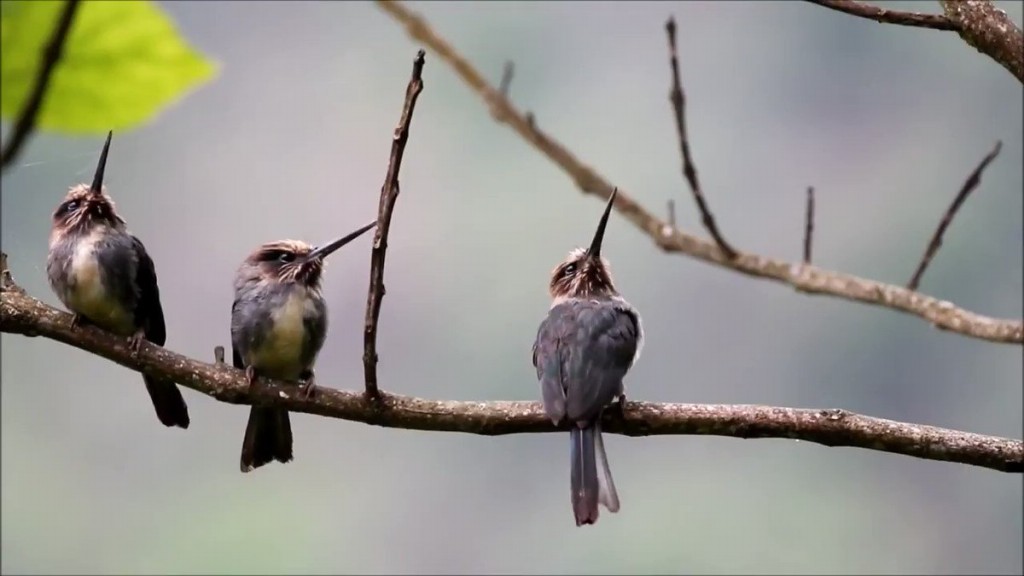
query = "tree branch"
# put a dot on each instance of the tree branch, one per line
(678, 99)
(809, 225)
(989, 30)
(978, 22)
(22, 314)
(26, 121)
(506, 78)
(808, 279)
(388, 196)
(883, 16)
(936, 242)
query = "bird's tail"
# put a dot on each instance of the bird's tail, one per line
(168, 402)
(268, 436)
(591, 478)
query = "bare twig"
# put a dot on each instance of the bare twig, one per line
(989, 30)
(6, 280)
(26, 121)
(936, 242)
(809, 225)
(807, 279)
(506, 78)
(689, 168)
(978, 22)
(22, 314)
(672, 213)
(881, 15)
(388, 196)
(5, 274)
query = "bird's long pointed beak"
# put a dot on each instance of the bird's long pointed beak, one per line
(595, 246)
(97, 180)
(325, 250)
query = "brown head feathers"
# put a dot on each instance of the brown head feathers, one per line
(86, 205)
(584, 273)
(295, 260)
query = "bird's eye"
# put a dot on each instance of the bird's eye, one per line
(569, 270)
(69, 207)
(286, 257)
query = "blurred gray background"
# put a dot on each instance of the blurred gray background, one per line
(292, 140)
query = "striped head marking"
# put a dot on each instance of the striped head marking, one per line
(296, 261)
(287, 261)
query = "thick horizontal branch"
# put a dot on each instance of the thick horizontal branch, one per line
(808, 279)
(22, 314)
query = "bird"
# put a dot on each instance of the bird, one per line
(586, 344)
(278, 326)
(104, 276)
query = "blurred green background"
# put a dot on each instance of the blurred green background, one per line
(292, 140)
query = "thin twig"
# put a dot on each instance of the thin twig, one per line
(881, 15)
(807, 279)
(388, 196)
(936, 242)
(51, 56)
(5, 274)
(809, 225)
(678, 100)
(671, 212)
(506, 78)
(22, 314)
(978, 22)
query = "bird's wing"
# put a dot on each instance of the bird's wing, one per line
(550, 358)
(315, 326)
(237, 333)
(604, 341)
(236, 358)
(149, 314)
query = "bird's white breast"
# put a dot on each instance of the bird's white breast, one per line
(281, 350)
(87, 294)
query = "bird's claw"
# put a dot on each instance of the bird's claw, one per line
(620, 406)
(76, 321)
(308, 391)
(250, 376)
(308, 387)
(135, 341)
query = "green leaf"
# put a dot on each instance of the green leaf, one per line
(123, 63)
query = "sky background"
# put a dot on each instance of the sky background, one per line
(291, 141)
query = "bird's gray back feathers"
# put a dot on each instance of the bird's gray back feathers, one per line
(583, 350)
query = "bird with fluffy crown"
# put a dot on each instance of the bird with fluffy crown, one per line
(589, 340)
(278, 325)
(105, 277)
